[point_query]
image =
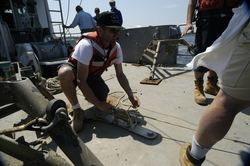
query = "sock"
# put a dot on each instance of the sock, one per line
(197, 150)
(76, 106)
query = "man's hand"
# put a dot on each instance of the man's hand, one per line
(65, 26)
(104, 107)
(135, 101)
(187, 28)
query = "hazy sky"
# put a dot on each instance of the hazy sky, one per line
(135, 12)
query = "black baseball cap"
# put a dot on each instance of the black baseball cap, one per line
(109, 19)
(97, 9)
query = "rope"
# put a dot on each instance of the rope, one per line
(192, 129)
(51, 50)
(67, 12)
(67, 31)
(27, 126)
(53, 85)
(123, 114)
(119, 99)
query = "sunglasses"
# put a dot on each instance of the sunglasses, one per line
(114, 31)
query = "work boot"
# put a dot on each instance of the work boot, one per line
(186, 158)
(198, 92)
(78, 118)
(212, 87)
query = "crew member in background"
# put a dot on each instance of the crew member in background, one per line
(84, 20)
(229, 56)
(114, 9)
(97, 12)
(92, 55)
(212, 19)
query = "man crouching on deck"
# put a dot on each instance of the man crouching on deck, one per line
(92, 55)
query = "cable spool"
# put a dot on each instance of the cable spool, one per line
(50, 51)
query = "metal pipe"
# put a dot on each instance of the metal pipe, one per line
(62, 24)
(4, 43)
(29, 155)
(25, 95)
(151, 77)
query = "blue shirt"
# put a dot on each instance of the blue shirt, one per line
(118, 14)
(84, 20)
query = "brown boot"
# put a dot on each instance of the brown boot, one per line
(212, 87)
(186, 158)
(198, 93)
(78, 118)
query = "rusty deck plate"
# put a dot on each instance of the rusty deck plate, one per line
(139, 64)
(153, 82)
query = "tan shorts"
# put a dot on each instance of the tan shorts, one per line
(235, 81)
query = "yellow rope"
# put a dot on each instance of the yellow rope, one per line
(53, 85)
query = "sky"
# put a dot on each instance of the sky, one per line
(135, 13)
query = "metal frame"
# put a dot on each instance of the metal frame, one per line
(152, 43)
(24, 94)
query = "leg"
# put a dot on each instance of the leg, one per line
(66, 77)
(233, 97)
(213, 126)
(218, 118)
(98, 86)
(212, 87)
(212, 73)
(199, 96)
(198, 75)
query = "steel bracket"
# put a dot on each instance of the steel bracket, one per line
(146, 133)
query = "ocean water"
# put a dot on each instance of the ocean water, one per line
(190, 39)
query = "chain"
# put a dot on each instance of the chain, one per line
(28, 126)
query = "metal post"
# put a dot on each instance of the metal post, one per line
(62, 24)
(25, 95)
(151, 77)
(4, 43)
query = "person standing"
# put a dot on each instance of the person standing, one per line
(92, 55)
(212, 19)
(84, 20)
(233, 68)
(97, 12)
(114, 9)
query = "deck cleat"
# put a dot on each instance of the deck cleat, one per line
(127, 119)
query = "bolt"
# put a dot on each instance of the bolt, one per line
(150, 133)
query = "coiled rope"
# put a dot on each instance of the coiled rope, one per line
(53, 85)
